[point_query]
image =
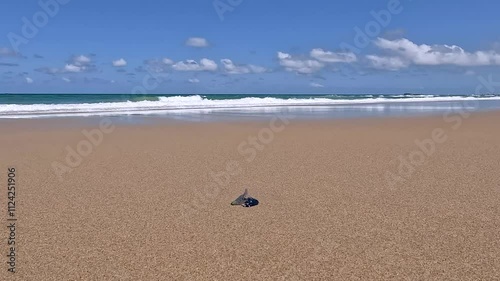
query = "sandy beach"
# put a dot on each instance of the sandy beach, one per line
(378, 199)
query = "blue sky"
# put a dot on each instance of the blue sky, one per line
(247, 46)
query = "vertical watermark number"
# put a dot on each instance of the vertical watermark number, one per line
(11, 219)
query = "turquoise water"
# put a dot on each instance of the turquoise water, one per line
(108, 98)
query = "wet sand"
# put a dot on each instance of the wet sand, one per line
(343, 199)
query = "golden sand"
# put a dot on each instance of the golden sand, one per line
(352, 199)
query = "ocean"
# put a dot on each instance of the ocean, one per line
(207, 107)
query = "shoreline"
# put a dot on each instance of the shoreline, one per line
(55, 123)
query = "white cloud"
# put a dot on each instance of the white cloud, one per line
(302, 66)
(73, 68)
(257, 69)
(197, 42)
(411, 53)
(316, 85)
(74, 64)
(193, 80)
(167, 61)
(79, 63)
(387, 63)
(81, 60)
(192, 65)
(119, 62)
(231, 68)
(29, 80)
(65, 79)
(470, 72)
(327, 56)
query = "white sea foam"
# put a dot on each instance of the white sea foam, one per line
(179, 104)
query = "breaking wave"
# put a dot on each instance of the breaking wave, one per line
(163, 104)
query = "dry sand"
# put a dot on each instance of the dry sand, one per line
(143, 206)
